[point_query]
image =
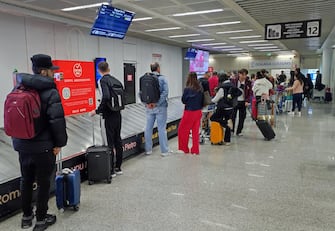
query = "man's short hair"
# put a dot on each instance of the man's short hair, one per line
(103, 66)
(154, 66)
(243, 71)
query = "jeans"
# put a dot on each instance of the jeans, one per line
(159, 113)
(113, 133)
(189, 122)
(297, 99)
(41, 167)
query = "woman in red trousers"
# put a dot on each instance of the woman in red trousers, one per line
(193, 100)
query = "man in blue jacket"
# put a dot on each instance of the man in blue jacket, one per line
(37, 156)
(157, 111)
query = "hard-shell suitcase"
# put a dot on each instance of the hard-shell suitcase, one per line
(98, 161)
(98, 164)
(266, 129)
(217, 134)
(67, 188)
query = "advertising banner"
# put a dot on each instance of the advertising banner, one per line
(75, 82)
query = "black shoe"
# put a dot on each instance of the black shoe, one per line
(27, 222)
(43, 225)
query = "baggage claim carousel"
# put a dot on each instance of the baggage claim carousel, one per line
(79, 129)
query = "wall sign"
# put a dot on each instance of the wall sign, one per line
(75, 82)
(293, 30)
(270, 64)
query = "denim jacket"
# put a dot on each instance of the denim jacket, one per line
(164, 89)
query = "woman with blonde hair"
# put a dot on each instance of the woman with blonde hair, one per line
(193, 100)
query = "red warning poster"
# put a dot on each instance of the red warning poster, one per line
(75, 82)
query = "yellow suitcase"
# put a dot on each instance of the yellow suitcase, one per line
(216, 133)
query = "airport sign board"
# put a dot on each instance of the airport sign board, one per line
(293, 30)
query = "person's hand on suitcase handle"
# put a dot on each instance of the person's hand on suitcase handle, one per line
(56, 150)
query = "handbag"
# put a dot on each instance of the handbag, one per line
(207, 98)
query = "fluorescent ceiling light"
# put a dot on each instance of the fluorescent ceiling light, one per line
(285, 56)
(271, 50)
(233, 31)
(84, 6)
(244, 57)
(246, 37)
(183, 35)
(260, 45)
(212, 44)
(238, 52)
(254, 41)
(233, 49)
(197, 12)
(262, 48)
(199, 40)
(220, 24)
(163, 29)
(141, 19)
(220, 47)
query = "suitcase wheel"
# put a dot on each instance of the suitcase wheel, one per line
(76, 208)
(109, 181)
(90, 182)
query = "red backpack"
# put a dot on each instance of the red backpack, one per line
(22, 113)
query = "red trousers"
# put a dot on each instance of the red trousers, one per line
(189, 122)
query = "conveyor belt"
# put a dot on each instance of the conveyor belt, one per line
(79, 129)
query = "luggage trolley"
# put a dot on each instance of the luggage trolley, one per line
(204, 125)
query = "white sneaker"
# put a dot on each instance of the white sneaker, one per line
(299, 114)
(291, 113)
(226, 143)
(167, 153)
(180, 152)
(148, 153)
(230, 124)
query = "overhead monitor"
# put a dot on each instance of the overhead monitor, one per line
(112, 22)
(200, 63)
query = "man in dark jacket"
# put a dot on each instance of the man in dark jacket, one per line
(112, 118)
(244, 85)
(37, 156)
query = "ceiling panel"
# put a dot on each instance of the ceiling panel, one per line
(253, 14)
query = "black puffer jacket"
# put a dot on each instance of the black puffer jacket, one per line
(53, 133)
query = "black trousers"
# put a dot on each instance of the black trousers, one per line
(113, 133)
(242, 113)
(39, 166)
(222, 116)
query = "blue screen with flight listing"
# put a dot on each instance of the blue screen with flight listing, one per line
(112, 22)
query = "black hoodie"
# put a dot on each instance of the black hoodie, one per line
(53, 133)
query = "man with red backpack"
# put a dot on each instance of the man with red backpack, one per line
(37, 153)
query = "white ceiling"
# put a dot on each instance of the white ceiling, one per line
(253, 14)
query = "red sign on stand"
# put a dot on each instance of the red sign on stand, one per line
(75, 82)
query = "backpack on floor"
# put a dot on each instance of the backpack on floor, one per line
(22, 112)
(149, 88)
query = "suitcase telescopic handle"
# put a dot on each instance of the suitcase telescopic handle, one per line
(59, 163)
(93, 135)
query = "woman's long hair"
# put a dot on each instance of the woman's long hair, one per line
(299, 79)
(192, 81)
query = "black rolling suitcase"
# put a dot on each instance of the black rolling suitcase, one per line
(98, 162)
(266, 129)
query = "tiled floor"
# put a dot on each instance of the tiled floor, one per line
(284, 184)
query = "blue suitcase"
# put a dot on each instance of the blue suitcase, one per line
(67, 188)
